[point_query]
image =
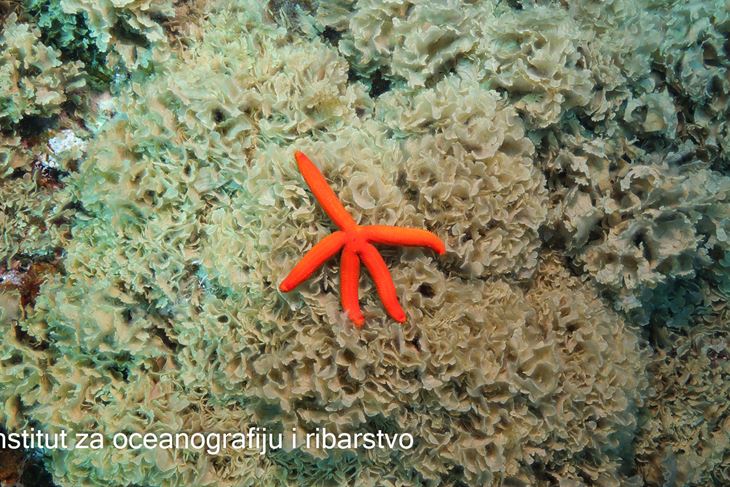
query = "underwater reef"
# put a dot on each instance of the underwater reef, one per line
(574, 157)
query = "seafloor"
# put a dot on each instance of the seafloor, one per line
(574, 157)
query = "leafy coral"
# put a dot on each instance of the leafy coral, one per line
(639, 228)
(685, 433)
(485, 196)
(194, 208)
(33, 80)
(459, 117)
(34, 214)
(637, 199)
(70, 34)
(130, 30)
(694, 56)
(29, 214)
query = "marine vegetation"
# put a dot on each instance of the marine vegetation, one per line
(572, 156)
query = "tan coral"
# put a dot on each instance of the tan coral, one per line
(684, 439)
(483, 196)
(511, 370)
(112, 21)
(33, 79)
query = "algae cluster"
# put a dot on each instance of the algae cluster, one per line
(573, 158)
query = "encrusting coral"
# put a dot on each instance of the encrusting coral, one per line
(29, 214)
(694, 55)
(536, 154)
(685, 434)
(645, 229)
(34, 213)
(130, 30)
(194, 210)
(33, 80)
(485, 197)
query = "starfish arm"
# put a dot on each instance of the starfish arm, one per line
(383, 282)
(316, 256)
(324, 194)
(349, 283)
(414, 237)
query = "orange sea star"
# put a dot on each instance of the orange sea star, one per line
(356, 243)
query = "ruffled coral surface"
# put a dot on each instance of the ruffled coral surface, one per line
(572, 158)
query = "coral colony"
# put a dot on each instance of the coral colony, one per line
(355, 243)
(573, 157)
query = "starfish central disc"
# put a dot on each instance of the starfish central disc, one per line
(356, 243)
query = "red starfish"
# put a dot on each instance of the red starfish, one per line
(356, 244)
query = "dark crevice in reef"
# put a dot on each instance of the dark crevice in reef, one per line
(24, 337)
(125, 32)
(169, 342)
(121, 370)
(33, 125)
(331, 36)
(426, 290)
(515, 4)
(446, 70)
(23, 467)
(8, 7)
(378, 83)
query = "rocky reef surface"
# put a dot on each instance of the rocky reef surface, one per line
(573, 156)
